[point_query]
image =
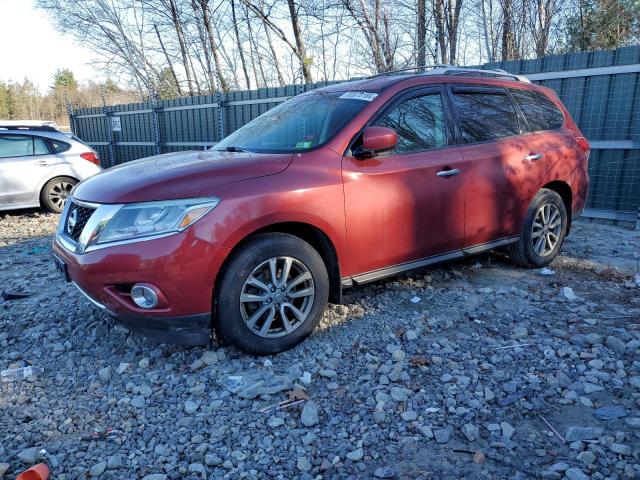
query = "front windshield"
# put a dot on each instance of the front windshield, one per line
(299, 124)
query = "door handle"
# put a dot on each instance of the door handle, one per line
(43, 163)
(533, 157)
(448, 173)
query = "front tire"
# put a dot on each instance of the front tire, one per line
(271, 294)
(55, 193)
(544, 229)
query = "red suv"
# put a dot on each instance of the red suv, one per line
(333, 188)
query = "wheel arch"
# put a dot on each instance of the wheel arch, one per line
(563, 189)
(311, 234)
(43, 184)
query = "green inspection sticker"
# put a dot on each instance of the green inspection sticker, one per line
(303, 144)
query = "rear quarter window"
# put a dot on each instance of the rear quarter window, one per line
(540, 112)
(59, 146)
(485, 116)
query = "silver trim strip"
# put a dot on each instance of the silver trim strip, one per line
(584, 72)
(66, 243)
(100, 246)
(96, 224)
(85, 204)
(490, 245)
(95, 303)
(188, 107)
(131, 112)
(396, 269)
(609, 215)
(614, 144)
(389, 271)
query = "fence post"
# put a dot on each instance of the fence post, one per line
(107, 120)
(154, 123)
(220, 115)
(72, 123)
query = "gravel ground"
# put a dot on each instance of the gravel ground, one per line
(496, 372)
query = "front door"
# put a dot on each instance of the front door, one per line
(406, 204)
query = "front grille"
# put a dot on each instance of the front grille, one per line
(77, 218)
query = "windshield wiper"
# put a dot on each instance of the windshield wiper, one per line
(232, 148)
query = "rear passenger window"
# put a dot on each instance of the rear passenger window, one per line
(540, 112)
(40, 147)
(485, 116)
(419, 123)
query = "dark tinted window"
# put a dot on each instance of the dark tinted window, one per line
(485, 116)
(540, 112)
(419, 123)
(59, 147)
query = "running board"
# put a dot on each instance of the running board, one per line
(444, 257)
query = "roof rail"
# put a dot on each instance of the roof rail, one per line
(36, 125)
(409, 70)
(446, 69)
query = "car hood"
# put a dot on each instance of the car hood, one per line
(177, 175)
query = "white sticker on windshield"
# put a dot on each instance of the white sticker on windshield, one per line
(365, 96)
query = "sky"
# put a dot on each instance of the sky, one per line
(31, 47)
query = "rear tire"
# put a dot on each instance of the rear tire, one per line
(55, 193)
(543, 232)
(271, 294)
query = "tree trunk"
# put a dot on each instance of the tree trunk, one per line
(507, 30)
(239, 44)
(204, 6)
(274, 56)
(256, 54)
(166, 56)
(438, 10)
(421, 53)
(183, 49)
(297, 34)
(454, 22)
(203, 42)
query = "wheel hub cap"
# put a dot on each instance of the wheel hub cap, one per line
(546, 228)
(277, 297)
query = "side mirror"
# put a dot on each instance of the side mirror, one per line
(378, 139)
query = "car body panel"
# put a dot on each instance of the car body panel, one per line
(398, 210)
(178, 175)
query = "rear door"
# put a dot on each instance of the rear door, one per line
(406, 204)
(25, 161)
(499, 175)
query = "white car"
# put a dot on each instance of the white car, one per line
(39, 165)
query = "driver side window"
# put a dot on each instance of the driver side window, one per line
(419, 123)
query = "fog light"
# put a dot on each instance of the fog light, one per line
(144, 296)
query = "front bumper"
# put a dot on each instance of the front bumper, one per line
(183, 267)
(188, 330)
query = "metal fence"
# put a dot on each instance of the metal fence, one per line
(600, 89)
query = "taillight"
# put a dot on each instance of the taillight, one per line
(91, 157)
(583, 143)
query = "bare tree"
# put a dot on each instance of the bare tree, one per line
(297, 45)
(236, 31)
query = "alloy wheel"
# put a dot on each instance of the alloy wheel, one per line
(59, 192)
(277, 297)
(546, 228)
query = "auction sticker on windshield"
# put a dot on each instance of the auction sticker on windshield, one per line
(366, 96)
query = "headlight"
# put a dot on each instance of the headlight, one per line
(149, 219)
